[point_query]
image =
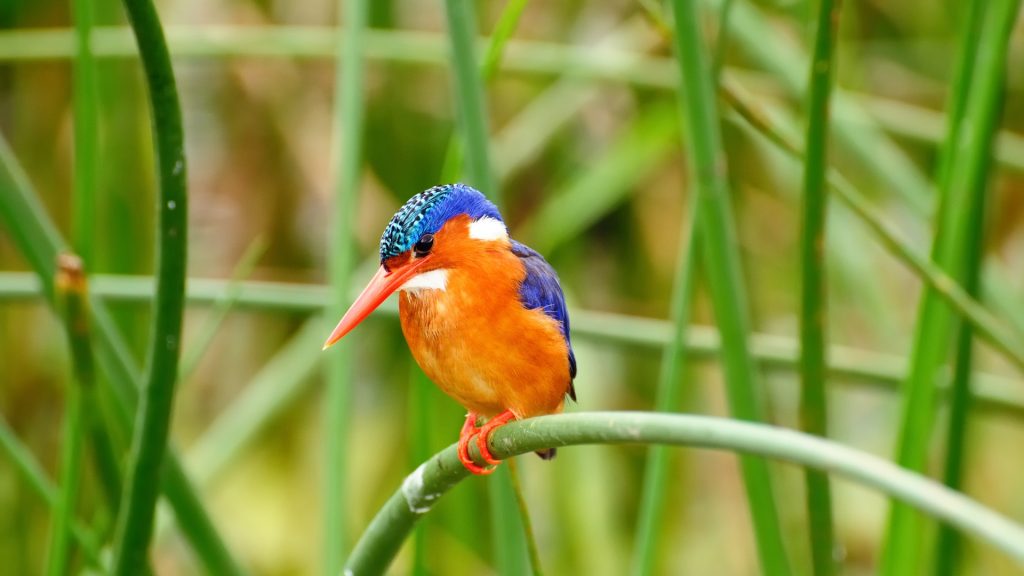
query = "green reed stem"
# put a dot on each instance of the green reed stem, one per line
(85, 133)
(453, 170)
(524, 514)
(510, 547)
(503, 30)
(385, 534)
(722, 264)
(949, 543)
(656, 470)
(71, 297)
(813, 302)
(347, 152)
(902, 553)
(508, 21)
(37, 238)
(469, 98)
(153, 415)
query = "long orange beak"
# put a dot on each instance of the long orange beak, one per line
(382, 285)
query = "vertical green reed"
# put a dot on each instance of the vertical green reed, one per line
(656, 470)
(469, 98)
(510, 548)
(722, 265)
(503, 30)
(902, 552)
(348, 130)
(153, 413)
(424, 415)
(71, 297)
(948, 545)
(814, 302)
(85, 132)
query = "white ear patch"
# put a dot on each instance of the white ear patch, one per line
(488, 228)
(433, 280)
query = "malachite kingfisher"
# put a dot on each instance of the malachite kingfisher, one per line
(484, 315)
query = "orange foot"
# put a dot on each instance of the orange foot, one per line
(482, 434)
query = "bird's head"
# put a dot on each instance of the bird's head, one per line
(430, 235)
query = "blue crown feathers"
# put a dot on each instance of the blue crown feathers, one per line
(427, 212)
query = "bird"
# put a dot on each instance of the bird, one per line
(484, 315)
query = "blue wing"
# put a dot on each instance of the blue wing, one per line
(541, 290)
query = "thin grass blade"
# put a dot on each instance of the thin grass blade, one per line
(949, 544)
(656, 469)
(813, 301)
(509, 543)
(85, 134)
(722, 265)
(902, 552)
(347, 153)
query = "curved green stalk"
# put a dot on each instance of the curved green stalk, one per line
(813, 302)
(421, 489)
(347, 153)
(722, 264)
(153, 415)
(902, 552)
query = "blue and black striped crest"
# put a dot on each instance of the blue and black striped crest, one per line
(427, 211)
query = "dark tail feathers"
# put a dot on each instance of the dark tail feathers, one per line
(547, 454)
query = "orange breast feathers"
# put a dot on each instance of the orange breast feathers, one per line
(473, 337)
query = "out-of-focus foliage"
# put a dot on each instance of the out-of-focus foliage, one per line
(585, 142)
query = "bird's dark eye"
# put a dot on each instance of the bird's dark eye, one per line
(424, 245)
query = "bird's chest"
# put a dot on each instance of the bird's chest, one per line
(450, 339)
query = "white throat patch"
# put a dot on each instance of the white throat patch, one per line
(488, 228)
(433, 280)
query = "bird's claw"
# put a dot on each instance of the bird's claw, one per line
(469, 430)
(482, 434)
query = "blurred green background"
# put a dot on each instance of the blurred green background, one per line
(586, 147)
